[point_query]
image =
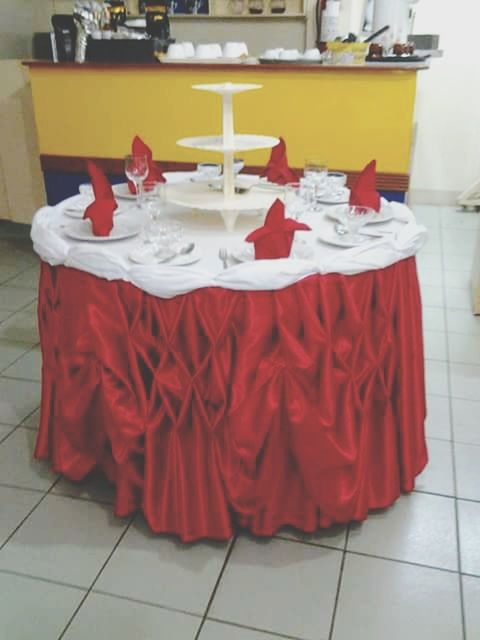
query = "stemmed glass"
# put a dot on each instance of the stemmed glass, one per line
(295, 205)
(136, 170)
(354, 217)
(315, 175)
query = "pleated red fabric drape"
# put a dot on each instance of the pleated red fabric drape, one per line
(302, 407)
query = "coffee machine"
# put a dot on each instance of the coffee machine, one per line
(398, 15)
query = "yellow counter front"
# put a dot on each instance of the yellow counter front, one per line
(348, 115)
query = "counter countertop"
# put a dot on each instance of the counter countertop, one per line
(369, 66)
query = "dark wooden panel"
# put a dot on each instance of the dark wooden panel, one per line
(114, 166)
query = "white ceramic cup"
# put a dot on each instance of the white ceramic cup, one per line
(216, 51)
(234, 49)
(312, 54)
(203, 52)
(176, 51)
(238, 165)
(208, 170)
(189, 49)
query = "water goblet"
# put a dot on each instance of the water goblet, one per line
(136, 170)
(354, 218)
(154, 198)
(315, 168)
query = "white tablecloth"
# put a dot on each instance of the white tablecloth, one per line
(110, 260)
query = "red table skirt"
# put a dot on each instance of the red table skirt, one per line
(302, 407)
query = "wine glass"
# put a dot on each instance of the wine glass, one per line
(136, 170)
(355, 217)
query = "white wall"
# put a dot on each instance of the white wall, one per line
(447, 152)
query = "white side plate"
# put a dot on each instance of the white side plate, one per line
(82, 230)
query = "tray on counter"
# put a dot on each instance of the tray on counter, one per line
(299, 61)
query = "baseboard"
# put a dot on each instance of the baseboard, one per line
(427, 196)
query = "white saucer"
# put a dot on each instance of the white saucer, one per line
(82, 230)
(385, 214)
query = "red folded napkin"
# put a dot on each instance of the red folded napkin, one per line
(139, 148)
(277, 169)
(363, 192)
(100, 212)
(274, 239)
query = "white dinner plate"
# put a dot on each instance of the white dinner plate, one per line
(385, 214)
(332, 238)
(245, 252)
(146, 255)
(82, 230)
(77, 212)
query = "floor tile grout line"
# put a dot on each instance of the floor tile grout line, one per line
(45, 494)
(89, 590)
(452, 453)
(446, 495)
(237, 625)
(18, 378)
(217, 584)
(7, 435)
(410, 563)
(7, 485)
(57, 493)
(30, 576)
(155, 605)
(339, 585)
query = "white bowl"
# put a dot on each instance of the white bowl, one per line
(189, 49)
(176, 51)
(289, 54)
(208, 170)
(238, 165)
(216, 50)
(208, 51)
(234, 49)
(312, 54)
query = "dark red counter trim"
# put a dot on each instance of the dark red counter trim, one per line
(157, 66)
(115, 166)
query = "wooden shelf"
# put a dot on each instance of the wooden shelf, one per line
(230, 16)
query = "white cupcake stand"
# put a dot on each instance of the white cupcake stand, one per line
(201, 196)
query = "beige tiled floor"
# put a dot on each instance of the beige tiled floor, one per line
(70, 570)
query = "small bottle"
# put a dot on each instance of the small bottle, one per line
(255, 7)
(277, 6)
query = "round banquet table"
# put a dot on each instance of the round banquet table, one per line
(271, 393)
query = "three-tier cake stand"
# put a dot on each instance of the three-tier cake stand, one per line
(200, 195)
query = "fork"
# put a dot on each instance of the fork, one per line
(223, 255)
